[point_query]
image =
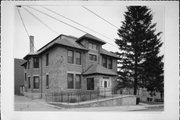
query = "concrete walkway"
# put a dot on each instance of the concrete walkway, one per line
(26, 104)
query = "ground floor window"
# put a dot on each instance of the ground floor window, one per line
(70, 80)
(29, 82)
(36, 82)
(78, 81)
(105, 84)
(47, 81)
(73, 81)
(90, 83)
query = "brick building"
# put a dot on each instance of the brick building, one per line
(18, 76)
(69, 64)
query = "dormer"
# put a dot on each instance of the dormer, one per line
(91, 42)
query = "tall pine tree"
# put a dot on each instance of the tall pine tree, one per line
(140, 64)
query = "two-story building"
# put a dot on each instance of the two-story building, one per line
(69, 64)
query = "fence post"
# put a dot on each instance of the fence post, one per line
(90, 95)
(68, 98)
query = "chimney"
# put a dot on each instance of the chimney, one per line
(31, 40)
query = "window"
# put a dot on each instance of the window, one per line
(110, 63)
(92, 57)
(78, 58)
(90, 83)
(47, 81)
(104, 61)
(25, 66)
(92, 46)
(105, 84)
(36, 62)
(24, 76)
(29, 82)
(70, 79)
(28, 64)
(78, 81)
(70, 57)
(47, 59)
(36, 82)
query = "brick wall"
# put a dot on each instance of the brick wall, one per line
(18, 75)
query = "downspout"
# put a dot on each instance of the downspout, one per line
(41, 76)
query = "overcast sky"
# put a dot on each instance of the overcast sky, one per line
(42, 35)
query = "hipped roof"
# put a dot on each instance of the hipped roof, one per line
(100, 70)
(91, 37)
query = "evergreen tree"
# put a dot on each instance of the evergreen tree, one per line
(139, 48)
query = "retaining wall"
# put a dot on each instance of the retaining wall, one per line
(115, 101)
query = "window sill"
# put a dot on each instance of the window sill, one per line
(35, 88)
(74, 64)
(93, 60)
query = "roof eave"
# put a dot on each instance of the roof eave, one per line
(100, 74)
(29, 55)
(81, 38)
(110, 55)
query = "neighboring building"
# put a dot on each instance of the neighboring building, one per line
(69, 64)
(18, 76)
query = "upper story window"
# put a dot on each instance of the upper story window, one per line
(36, 62)
(74, 57)
(47, 59)
(28, 64)
(78, 58)
(104, 61)
(92, 46)
(70, 56)
(107, 62)
(110, 63)
(92, 57)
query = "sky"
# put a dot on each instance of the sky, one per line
(42, 34)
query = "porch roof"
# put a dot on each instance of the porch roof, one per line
(98, 69)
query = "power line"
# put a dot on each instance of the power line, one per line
(24, 26)
(40, 20)
(99, 17)
(22, 21)
(65, 23)
(79, 24)
(57, 19)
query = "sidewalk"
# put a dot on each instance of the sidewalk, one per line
(26, 104)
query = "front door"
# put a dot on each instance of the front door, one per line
(105, 86)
